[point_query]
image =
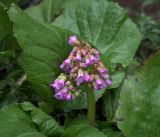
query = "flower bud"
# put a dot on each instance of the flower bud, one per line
(84, 52)
(83, 65)
(73, 41)
(75, 69)
(77, 94)
(69, 97)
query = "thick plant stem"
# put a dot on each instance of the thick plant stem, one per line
(91, 107)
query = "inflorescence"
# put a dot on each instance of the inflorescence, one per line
(82, 66)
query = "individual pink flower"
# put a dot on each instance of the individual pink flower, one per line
(66, 65)
(80, 78)
(102, 70)
(58, 95)
(93, 59)
(64, 90)
(87, 78)
(108, 82)
(104, 75)
(78, 57)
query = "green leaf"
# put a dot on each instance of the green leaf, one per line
(35, 12)
(45, 123)
(29, 121)
(52, 7)
(105, 25)
(5, 25)
(111, 99)
(82, 131)
(8, 43)
(109, 128)
(139, 111)
(81, 119)
(44, 49)
(13, 115)
(46, 10)
(117, 78)
(14, 128)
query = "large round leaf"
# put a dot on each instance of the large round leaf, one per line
(105, 25)
(139, 109)
(26, 120)
(44, 49)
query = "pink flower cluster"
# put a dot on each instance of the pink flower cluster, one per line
(64, 89)
(82, 66)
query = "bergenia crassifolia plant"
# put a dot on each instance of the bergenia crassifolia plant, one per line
(82, 66)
